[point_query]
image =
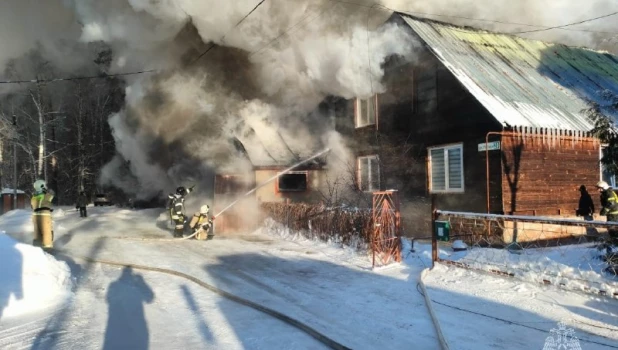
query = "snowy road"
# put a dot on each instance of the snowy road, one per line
(343, 300)
(330, 289)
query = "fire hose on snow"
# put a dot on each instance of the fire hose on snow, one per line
(233, 203)
(286, 319)
(432, 313)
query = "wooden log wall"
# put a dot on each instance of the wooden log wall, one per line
(542, 171)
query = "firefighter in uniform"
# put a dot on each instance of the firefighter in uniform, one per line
(41, 204)
(200, 224)
(609, 206)
(177, 209)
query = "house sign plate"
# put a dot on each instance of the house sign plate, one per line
(491, 146)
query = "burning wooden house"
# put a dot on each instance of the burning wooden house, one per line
(486, 122)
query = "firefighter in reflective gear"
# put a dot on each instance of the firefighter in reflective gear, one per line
(609, 205)
(200, 224)
(41, 204)
(177, 209)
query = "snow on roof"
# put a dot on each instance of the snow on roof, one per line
(11, 191)
(522, 82)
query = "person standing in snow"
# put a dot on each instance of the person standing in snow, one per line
(177, 209)
(609, 206)
(200, 224)
(41, 204)
(586, 205)
(82, 202)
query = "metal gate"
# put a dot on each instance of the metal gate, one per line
(386, 237)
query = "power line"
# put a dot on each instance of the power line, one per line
(100, 76)
(567, 25)
(223, 37)
(562, 27)
(289, 29)
(104, 76)
(317, 14)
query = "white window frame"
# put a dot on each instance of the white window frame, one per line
(369, 179)
(358, 109)
(447, 189)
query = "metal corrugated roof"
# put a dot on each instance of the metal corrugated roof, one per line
(526, 83)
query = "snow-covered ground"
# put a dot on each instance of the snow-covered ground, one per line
(576, 267)
(29, 279)
(331, 289)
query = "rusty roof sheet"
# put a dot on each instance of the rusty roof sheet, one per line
(522, 82)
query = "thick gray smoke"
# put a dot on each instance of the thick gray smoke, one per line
(180, 123)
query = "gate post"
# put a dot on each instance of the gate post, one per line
(434, 237)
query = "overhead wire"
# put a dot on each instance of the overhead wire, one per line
(99, 76)
(567, 25)
(543, 28)
(289, 29)
(106, 76)
(212, 45)
(375, 6)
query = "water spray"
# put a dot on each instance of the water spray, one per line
(259, 186)
(272, 179)
(233, 203)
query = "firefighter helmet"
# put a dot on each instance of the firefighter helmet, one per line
(39, 185)
(181, 191)
(204, 209)
(603, 185)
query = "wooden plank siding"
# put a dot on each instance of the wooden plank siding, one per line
(542, 176)
(425, 106)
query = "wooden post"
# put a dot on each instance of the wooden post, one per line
(434, 238)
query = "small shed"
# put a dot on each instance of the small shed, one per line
(9, 199)
(269, 154)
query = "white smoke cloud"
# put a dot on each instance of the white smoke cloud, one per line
(199, 110)
(180, 123)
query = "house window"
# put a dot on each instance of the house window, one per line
(365, 111)
(446, 169)
(292, 182)
(368, 170)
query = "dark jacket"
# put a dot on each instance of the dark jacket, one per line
(82, 201)
(609, 202)
(586, 205)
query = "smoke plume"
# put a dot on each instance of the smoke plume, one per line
(218, 83)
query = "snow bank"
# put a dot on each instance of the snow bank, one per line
(274, 228)
(30, 280)
(576, 267)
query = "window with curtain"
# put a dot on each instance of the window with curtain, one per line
(446, 169)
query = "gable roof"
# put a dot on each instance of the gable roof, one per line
(270, 148)
(521, 82)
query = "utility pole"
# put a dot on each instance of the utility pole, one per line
(14, 206)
